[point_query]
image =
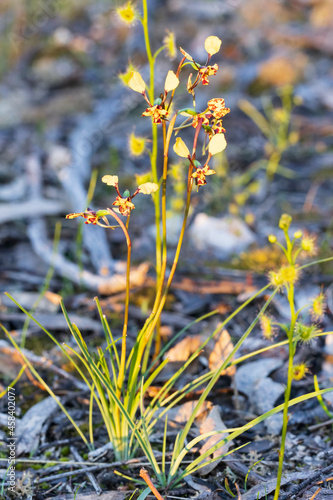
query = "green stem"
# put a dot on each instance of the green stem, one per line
(291, 294)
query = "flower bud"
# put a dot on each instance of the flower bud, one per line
(298, 234)
(285, 221)
(272, 238)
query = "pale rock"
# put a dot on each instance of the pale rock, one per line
(225, 235)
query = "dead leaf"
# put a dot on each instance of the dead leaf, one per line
(213, 422)
(185, 348)
(223, 347)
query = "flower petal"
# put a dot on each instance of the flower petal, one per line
(180, 148)
(137, 83)
(110, 180)
(171, 81)
(212, 45)
(148, 187)
(217, 144)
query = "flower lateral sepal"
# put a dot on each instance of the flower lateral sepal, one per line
(91, 216)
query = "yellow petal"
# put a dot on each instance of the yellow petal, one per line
(148, 187)
(212, 45)
(110, 180)
(171, 81)
(217, 144)
(136, 82)
(180, 148)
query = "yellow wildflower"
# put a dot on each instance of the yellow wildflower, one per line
(169, 42)
(299, 371)
(267, 327)
(272, 238)
(308, 244)
(125, 77)
(318, 307)
(127, 13)
(136, 145)
(285, 221)
(287, 275)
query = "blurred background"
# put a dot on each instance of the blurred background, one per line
(65, 118)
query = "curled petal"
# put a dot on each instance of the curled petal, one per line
(212, 45)
(148, 187)
(171, 81)
(217, 144)
(180, 148)
(137, 83)
(110, 180)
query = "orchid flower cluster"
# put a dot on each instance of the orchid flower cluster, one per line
(209, 120)
(123, 202)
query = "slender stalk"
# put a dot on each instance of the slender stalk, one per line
(153, 155)
(291, 294)
(121, 374)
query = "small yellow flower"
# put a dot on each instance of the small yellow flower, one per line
(318, 307)
(285, 221)
(200, 175)
(180, 148)
(136, 82)
(217, 144)
(169, 42)
(171, 81)
(298, 235)
(287, 275)
(125, 77)
(127, 13)
(299, 371)
(267, 327)
(136, 145)
(212, 45)
(308, 244)
(272, 238)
